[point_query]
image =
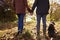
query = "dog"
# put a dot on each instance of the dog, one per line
(51, 30)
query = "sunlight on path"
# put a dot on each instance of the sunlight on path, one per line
(31, 27)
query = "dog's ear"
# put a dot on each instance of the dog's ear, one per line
(53, 23)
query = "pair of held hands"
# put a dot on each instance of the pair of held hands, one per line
(31, 12)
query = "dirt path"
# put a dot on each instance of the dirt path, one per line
(29, 26)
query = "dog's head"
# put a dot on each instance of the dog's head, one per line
(52, 23)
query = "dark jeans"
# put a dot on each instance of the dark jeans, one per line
(20, 21)
(38, 23)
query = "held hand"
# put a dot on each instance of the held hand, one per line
(31, 14)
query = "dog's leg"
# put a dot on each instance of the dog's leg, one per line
(50, 38)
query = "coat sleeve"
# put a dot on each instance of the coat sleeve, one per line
(13, 3)
(34, 5)
(26, 4)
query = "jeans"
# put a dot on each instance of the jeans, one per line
(38, 23)
(20, 21)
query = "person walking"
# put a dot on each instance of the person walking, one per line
(20, 7)
(42, 8)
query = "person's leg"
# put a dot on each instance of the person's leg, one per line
(20, 22)
(38, 23)
(38, 27)
(44, 24)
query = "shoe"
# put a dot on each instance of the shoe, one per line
(38, 37)
(18, 33)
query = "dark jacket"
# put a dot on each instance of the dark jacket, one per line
(20, 6)
(42, 6)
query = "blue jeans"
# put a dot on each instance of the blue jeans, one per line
(38, 23)
(20, 21)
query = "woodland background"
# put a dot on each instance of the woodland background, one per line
(9, 19)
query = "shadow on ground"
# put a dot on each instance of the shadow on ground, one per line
(26, 35)
(7, 26)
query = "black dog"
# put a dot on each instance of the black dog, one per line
(51, 30)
